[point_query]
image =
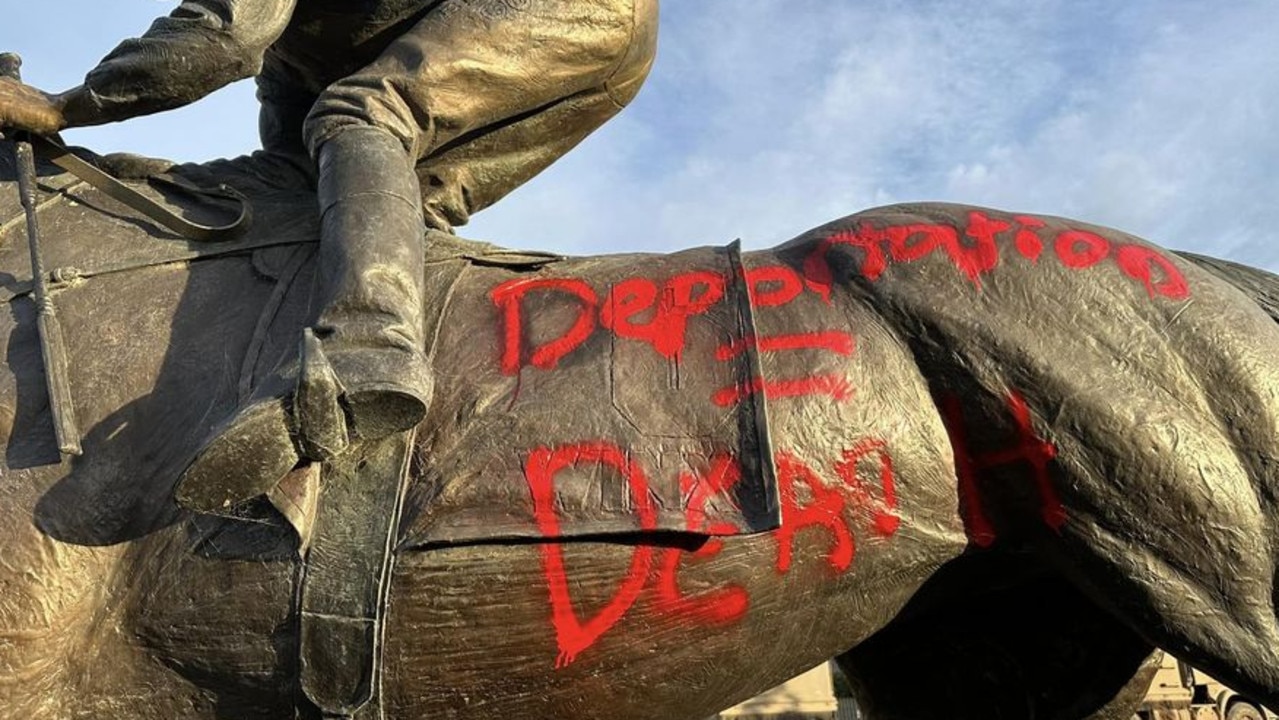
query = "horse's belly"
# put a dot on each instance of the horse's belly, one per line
(587, 630)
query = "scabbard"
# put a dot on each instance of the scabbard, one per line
(52, 346)
(53, 349)
(347, 576)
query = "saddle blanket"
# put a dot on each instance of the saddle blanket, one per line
(575, 397)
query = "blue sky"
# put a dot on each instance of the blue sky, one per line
(766, 117)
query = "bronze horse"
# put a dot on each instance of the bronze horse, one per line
(1010, 455)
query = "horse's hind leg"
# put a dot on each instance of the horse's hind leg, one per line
(1219, 616)
(1186, 557)
(1029, 646)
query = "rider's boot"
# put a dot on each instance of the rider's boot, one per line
(363, 369)
(372, 257)
(248, 454)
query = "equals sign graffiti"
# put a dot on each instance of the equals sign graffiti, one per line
(830, 385)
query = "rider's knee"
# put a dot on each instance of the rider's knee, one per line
(351, 104)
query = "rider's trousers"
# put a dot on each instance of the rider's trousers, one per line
(482, 94)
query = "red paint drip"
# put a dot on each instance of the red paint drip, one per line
(835, 341)
(572, 634)
(834, 386)
(680, 298)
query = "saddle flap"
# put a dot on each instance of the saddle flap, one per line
(593, 398)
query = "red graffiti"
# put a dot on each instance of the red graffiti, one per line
(635, 308)
(834, 341)
(886, 520)
(907, 243)
(1026, 241)
(639, 309)
(1075, 249)
(824, 509)
(680, 298)
(572, 635)
(1080, 249)
(773, 285)
(809, 502)
(1027, 448)
(833, 386)
(721, 605)
(508, 297)
(1139, 263)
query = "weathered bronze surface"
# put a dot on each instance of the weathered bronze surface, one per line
(1001, 456)
(1037, 453)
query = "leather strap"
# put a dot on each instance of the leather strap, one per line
(757, 443)
(59, 155)
(346, 576)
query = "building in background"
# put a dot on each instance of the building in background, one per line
(1179, 692)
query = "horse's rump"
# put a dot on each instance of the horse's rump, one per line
(1109, 404)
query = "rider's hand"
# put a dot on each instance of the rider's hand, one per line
(23, 107)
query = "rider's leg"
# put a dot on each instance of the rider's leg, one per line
(370, 286)
(484, 96)
(447, 85)
(480, 101)
(364, 360)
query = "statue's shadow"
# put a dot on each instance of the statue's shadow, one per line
(157, 358)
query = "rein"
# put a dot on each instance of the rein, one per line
(59, 155)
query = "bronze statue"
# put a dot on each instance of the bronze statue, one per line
(1000, 456)
(405, 111)
(1010, 454)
